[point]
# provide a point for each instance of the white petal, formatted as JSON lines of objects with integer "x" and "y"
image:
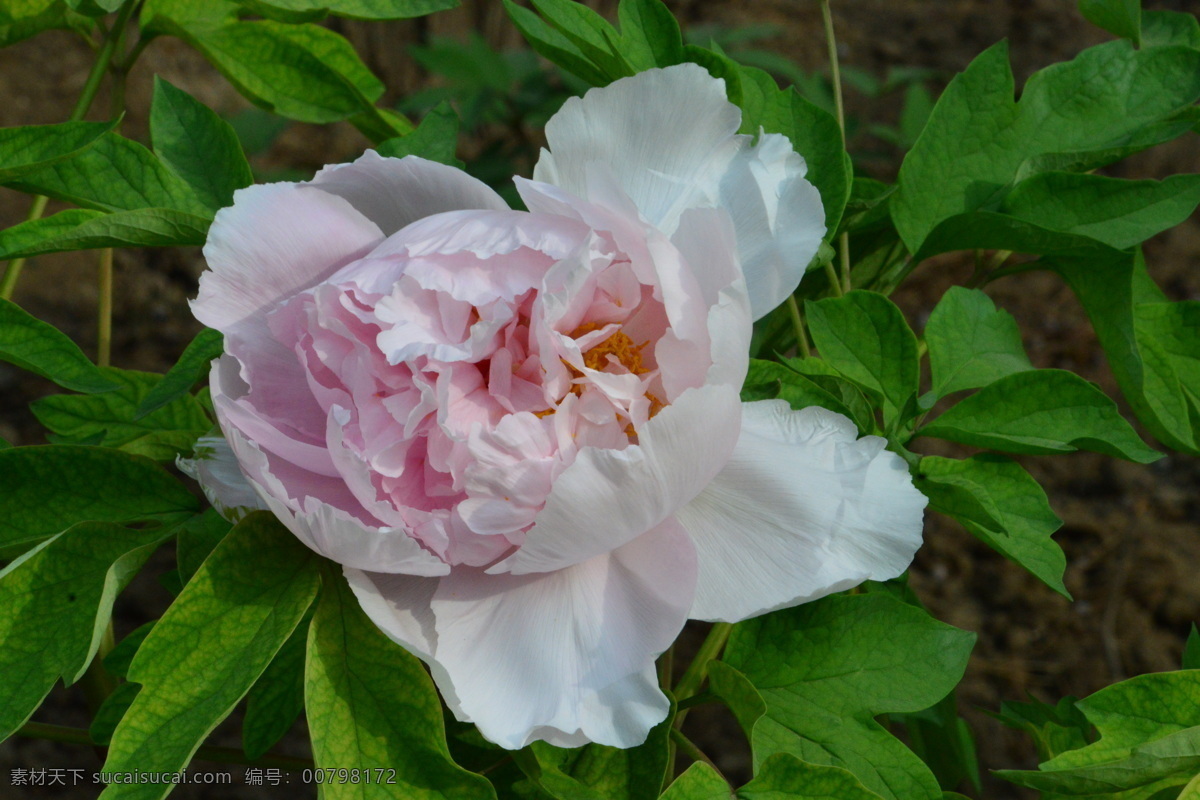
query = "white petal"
{"x": 566, "y": 657}
{"x": 801, "y": 510}
{"x": 667, "y": 133}
{"x": 274, "y": 241}
{"x": 393, "y": 192}
{"x": 778, "y": 217}
{"x": 610, "y": 497}
{"x": 669, "y": 139}
{"x": 216, "y": 469}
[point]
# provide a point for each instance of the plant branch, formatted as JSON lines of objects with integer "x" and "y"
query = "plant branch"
{"x": 798, "y": 326}
{"x": 835, "y": 76}
{"x": 697, "y": 671}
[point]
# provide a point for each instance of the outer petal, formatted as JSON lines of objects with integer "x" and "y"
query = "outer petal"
{"x": 393, "y": 192}
{"x": 329, "y": 530}
{"x": 670, "y": 139}
{"x": 801, "y": 510}
{"x": 610, "y": 497}
{"x": 566, "y": 657}
{"x": 274, "y": 241}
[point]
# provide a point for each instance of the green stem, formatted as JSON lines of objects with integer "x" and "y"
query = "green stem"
{"x": 666, "y": 665}
{"x": 835, "y": 75}
{"x": 9, "y": 282}
{"x": 218, "y": 755}
{"x": 697, "y": 671}
{"x": 689, "y": 749}
{"x": 835, "y": 283}
{"x": 798, "y": 326}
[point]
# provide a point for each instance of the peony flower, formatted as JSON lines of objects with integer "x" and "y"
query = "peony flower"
{"x": 520, "y": 432}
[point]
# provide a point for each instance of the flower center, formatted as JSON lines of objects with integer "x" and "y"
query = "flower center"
{"x": 619, "y": 344}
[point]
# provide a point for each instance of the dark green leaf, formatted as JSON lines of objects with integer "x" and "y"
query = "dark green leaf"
{"x": 944, "y": 742}
{"x": 971, "y": 343}
{"x": 82, "y": 229}
{"x": 114, "y": 174}
{"x": 589, "y": 32}
{"x": 109, "y": 715}
{"x": 1054, "y": 729}
{"x": 1191, "y": 650}
{"x": 785, "y": 777}
{"x": 371, "y": 705}
{"x": 43, "y": 349}
{"x": 826, "y": 669}
{"x": 436, "y": 138}
{"x": 20, "y": 19}
{"x": 553, "y": 45}
{"x": 650, "y": 34}
{"x": 311, "y": 10}
{"x": 48, "y": 489}
{"x": 1001, "y": 504}
{"x": 56, "y": 603}
{"x": 120, "y": 657}
{"x": 1149, "y": 739}
{"x": 304, "y": 72}
{"x": 1168, "y": 28}
{"x": 197, "y": 538}
{"x": 978, "y": 141}
{"x": 1152, "y": 346}
{"x": 277, "y": 697}
{"x": 1041, "y": 413}
{"x": 1119, "y": 17}
{"x": 162, "y": 435}
{"x": 172, "y": 17}
{"x": 768, "y": 379}
{"x": 192, "y": 366}
{"x": 737, "y": 692}
{"x": 209, "y": 648}
{"x": 198, "y": 145}
{"x": 1119, "y": 213}
{"x": 34, "y": 147}
{"x": 698, "y": 782}
{"x": 864, "y": 336}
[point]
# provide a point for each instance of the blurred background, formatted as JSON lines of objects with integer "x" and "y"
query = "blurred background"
{"x": 1131, "y": 533}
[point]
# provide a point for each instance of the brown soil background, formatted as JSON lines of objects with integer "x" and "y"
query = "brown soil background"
{"x": 1130, "y": 531}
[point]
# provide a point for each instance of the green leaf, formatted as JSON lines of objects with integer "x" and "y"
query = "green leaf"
{"x": 944, "y": 741}
{"x": 312, "y": 10}
{"x": 1119, "y": 17}
{"x": 1119, "y": 213}
{"x": 826, "y": 669}
{"x": 109, "y": 715}
{"x": 304, "y": 72}
{"x": 1152, "y": 346}
{"x": 172, "y": 16}
{"x": 120, "y": 657}
{"x": 737, "y": 692}
{"x": 1168, "y": 28}
{"x": 48, "y": 489}
{"x": 1002, "y": 505}
{"x": 198, "y": 145}
{"x": 553, "y": 46}
{"x": 114, "y": 174}
{"x": 1191, "y": 650}
{"x": 650, "y": 34}
{"x": 1041, "y": 412}
{"x": 864, "y": 336}
{"x": 698, "y": 782}
{"x": 20, "y": 19}
{"x": 814, "y": 134}
{"x": 589, "y": 32}
{"x": 192, "y": 366}
{"x": 991, "y": 230}
{"x": 795, "y": 381}
{"x": 971, "y": 343}
{"x": 33, "y": 147}
{"x": 1054, "y": 729}
{"x": 1149, "y": 737}
{"x": 41, "y": 348}
{"x": 436, "y": 138}
{"x": 209, "y": 648}
{"x": 370, "y": 704}
{"x": 161, "y": 435}
{"x": 1107, "y": 102}
{"x": 56, "y": 602}
{"x": 597, "y": 772}
{"x": 785, "y": 777}
{"x": 197, "y": 538}
{"x": 82, "y": 229}
{"x": 277, "y": 697}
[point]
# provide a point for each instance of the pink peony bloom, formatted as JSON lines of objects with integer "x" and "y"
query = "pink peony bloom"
{"x": 520, "y": 432}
